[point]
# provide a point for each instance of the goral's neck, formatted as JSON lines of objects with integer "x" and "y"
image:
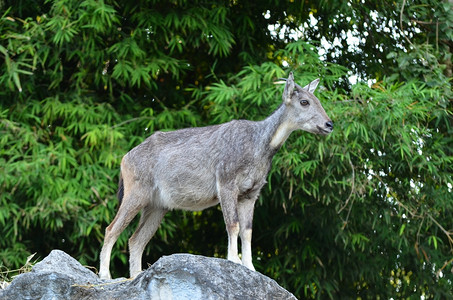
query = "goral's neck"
{"x": 275, "y": 129}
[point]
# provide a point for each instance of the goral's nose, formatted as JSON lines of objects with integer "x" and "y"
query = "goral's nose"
{"x": 329, "y": 125}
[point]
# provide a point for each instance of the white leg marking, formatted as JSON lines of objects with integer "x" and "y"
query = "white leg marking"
{"x": 246, "y": 238}
{"x": 233, "y": 233}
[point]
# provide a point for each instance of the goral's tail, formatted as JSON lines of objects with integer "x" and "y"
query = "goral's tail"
{"x": 120, "y": 193}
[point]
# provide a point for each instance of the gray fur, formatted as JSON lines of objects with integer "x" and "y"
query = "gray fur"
{"x": 196, "y": 168}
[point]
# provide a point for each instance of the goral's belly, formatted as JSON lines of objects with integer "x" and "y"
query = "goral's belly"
{"x": 193, "y": 198}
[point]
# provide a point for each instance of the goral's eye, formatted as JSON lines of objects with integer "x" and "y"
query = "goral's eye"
{"x": 304, "y": 102}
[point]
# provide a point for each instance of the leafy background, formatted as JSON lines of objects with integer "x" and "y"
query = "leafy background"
{"x": 363, "y": 213}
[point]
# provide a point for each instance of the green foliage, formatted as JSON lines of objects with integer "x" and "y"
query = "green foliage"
{"x": 362, "y": 213}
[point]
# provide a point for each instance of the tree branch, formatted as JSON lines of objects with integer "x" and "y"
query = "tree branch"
{"x": 401, "y": 24}
{"x": 129, "y": 121}
{"x": 352, "y": 189}
{"x": 447, "y": 233}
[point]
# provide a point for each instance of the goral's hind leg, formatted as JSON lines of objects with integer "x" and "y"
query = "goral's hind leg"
{"x": 245, "y": 210}
{"x": 228, "y": 202}
{"x": 127, "y": 211}
{"x": 149, "y": 222}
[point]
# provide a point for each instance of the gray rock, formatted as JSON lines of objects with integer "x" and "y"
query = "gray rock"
{"x": 178, "y": 276}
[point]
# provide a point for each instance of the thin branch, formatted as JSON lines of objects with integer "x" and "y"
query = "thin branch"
{"x": 413, "y": 214}
{"x": 418, "y": 231}
{"x": 401, "y": 15}
{"x": 425, "y": 22}
{"x": 129, "y": 121}
{"x": 189, "y": 104}
{"x": 445, "y": 264}
{"x": 352, "y": 189}
{"x": 401, "y": 24}
{"x": 447, "y": 233}
{"x": 437, "y": 36}
{"x": 149, "y": 118}
{"x": 345, "y": 222}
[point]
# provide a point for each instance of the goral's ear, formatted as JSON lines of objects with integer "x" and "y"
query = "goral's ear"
{"x": 311, "y": 87}
{"x": 289, "y": 88}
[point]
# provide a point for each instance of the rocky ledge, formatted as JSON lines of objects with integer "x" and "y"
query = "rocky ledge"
{"x": 178, "y": 276}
